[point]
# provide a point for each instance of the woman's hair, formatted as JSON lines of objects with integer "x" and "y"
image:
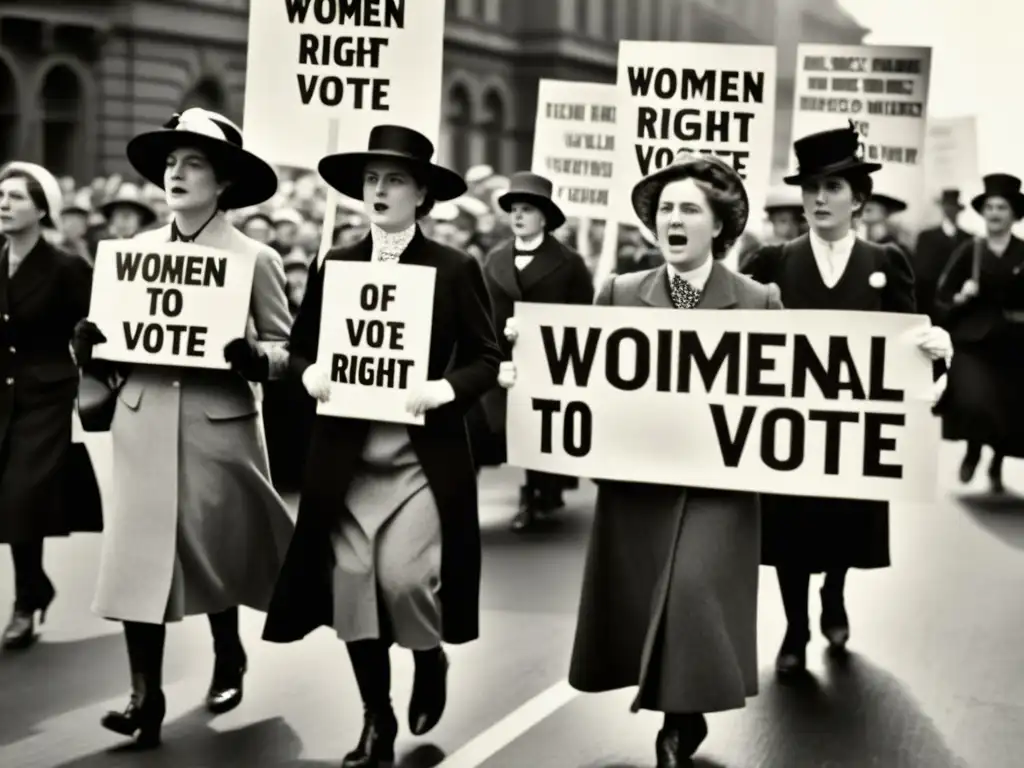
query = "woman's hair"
{"x": 861, "y": 185}
{"x": 35, "y": 193}
{"x": 419, "y": 178}
{"x": 726, "y": 198}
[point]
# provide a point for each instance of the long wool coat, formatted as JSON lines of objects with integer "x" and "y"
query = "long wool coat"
{"x": 819, "y": 534}
{"x": 46, "y": 484}
{"x": 463, "y": 350}
{"x": 931, "y": 255}
{"x": 670, "y": 583}
{"x": 557, "y": 275}
{"x": 196, "y": 526}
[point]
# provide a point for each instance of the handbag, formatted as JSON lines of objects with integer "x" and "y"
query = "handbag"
{"x": 97, "y": 399}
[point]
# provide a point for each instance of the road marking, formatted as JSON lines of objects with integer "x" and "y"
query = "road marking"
{"x": 484, "y": 746}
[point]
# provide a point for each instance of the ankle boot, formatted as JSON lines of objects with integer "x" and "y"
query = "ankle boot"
{"x": 526, "y": 516}
{"x": 429, "y": 690}
{"x": 835, "y": 625}
{"x": 793, "y": 585}
{"x": 34, "y": 592}
{"x": 970, "y": 462}
{"x": 230, "y": 663}
{"x": 371, "y": 664}
{"x": 376, "y": 747}
{"x": 144, "y": 715}
{"x": 995, "y": 474}
{"x": 679, "y": 739}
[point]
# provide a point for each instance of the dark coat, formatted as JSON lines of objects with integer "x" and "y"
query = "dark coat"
{"x": 819, "y": 534}
{"x": 45, "y": 488}
{"x": 669, "y": 599}
{"x": 557, "y": 275}
{"x": 982, "y": 401}
{"x": 463, "y": 350}
{"x": 931, "y": 255}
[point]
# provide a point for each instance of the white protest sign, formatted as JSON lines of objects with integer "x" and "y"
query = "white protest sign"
{"x": 809, "y": 403}
{"x": 173, "y": 304}
{"x": 574, "y": 144}
{"x": 951, "y": 162}
{"x": 375, "y": 329}
{"x": 884, "y": 91}
{"x": 700, "y": 97}
{"x": 359, "y": 62}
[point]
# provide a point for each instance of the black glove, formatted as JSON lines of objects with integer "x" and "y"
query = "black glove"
{"x": 86, "y": 336}
{"x": 247, "y": 360}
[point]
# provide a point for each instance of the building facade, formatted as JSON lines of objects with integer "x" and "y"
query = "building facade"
{"x": 78, "y": 78}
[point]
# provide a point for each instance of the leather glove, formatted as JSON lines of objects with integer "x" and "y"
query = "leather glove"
{"x": 86, "y": 336}
{"x": 247, "y": 360}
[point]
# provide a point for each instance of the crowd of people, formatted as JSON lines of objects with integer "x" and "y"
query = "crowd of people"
{"x": 670, "y": 586}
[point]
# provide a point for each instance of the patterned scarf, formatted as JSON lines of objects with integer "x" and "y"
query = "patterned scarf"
{"x": 389, "y": 246}
{"x": 684, "y": 295}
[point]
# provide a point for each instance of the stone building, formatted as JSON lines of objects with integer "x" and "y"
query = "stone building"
{"x": 78, "y": 78}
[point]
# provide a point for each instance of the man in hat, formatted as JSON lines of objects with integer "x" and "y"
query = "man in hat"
{"x": 934, "y": 248}
{"x": 831, "y": 268}
{"x": 876, "y": 220}
{"x": 532, "y": 266}
{"x": 286, "y": 223}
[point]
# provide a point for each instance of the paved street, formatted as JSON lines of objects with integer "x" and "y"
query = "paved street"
{"x": 936, "y": 680}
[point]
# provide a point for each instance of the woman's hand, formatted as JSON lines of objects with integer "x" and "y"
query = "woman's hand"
{"x": 317, "y": 383}
{"x": 967, "y": 292}
{"x": 935, "y": 343}
{"x": 938, "y": 389}
{"x": 431, "y": 395}
{"x": 247, "y": 360}
{"x": 86, "y": 336}
{"x": 511, "y": 331}
{"x": 507, "y": 375}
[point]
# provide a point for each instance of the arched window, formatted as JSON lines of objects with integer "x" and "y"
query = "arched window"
{"x": 494, "y": 130}
{"x": 9, "y": 114}
{"x": 460, "y": 120}
{"x": 61, "y": 102}
{"x": 207, "y": 93}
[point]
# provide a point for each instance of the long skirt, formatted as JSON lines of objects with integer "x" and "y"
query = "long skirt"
{"x": 983, "y": 400}
{"x": 387, "y": 547}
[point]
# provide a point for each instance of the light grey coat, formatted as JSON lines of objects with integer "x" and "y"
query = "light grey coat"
{"x": 195, "y": 525}
{"x": 669, "y": 598}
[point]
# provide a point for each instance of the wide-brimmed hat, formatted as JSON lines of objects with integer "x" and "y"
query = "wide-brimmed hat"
{"x": 891, "y": 204}
{"x": 950, "y": 197}
{"x": 130, "y": 196}
{"x": 783, "y": 198}
{"x": 48, "y": 183}
{"x": 252, "y": 179}
{"x": 834, "y": 152}
{"x": 688, "y": 165}
{"x": 526, "y": 187}
{"x": 1002, "y": 185}
{"x": 344, "y": 172}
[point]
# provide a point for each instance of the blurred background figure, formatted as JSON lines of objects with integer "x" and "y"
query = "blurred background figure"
{"x": 127, "y": 214}
{"x": 876, "y": 221}
{"x": 259, "y": 226}
{"x": 286, "y": 222}
{"x": 934, "y": 248}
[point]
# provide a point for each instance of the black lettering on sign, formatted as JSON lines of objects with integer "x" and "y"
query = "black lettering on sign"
{"x": 375, "y": 333}
{"x": 330, "y": 91}
{"x": 359, "y": 13}
{"x": 731, "y": 86}
{"x": 613, "y": 363}
{"x": 169, "y": 299}
{"x": 726, "y": 353}
{"x": 834, "y": 421}
{"x": 769, "y": 439}
{"x": 172, "y": 268}
{"x": 560, "y": 359}
{"x": 371, "y": 371}
{"x": 341, "y": 51}
{"x": 695, "y": 125}
{"x": 380, "y": 297}
{"x": 758, "y": 364}
{"x": 875, "y": 444}
{"x": 577, "y": 426}
{"x": 188, "y": 340}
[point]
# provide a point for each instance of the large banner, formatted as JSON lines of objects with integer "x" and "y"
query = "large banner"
{"x": 574, "y": 144}
{"x": 176, "y": 304}
{"x": 701, "y": 97}
{"x": 884, "y": 91}
{"x": 360, "y": 64}
{"x": 750, "y": 400}
{"x": 375, "y": 329}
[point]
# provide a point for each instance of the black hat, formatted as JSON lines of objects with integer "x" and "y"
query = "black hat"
{"x": 829, "y": 153}
{"x": 526, "y": 187}
{"x": 253, "y": 181}
{"x": 891, "y": 204}
{"x": 688, "y": 165}
{"x": 1001, "y": 185}
{"x": 951, "y": 197}
{"x": 344, "y": 172}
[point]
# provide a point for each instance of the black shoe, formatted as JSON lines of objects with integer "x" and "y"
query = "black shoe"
{"x": 20, "y": 632}
{"x": 376, "y": 748}
{"x": 835, "y": 625}
{"x": 226, "y": 687}
{"x": 429, "y": 692}
{"x": 675, "y": 745}
{"x": 142, "y": 718}
{"x": 969, "y": 466}
{"x": 792, "y": 658}
{"x": 995, "y": 480}
{"x": 526, "y": 517}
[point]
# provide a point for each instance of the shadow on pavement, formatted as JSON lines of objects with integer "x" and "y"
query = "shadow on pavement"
{"x": 1000, "y": 515}
{"x": 858, "y": 715}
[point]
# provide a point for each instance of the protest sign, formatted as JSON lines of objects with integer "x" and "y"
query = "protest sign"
{"x": 169, "y": 303}
{"x": 360, "y": 63}
{"x": 574, "y": 144}
{"x": 375, "y": 338}
{"x": 751, "y": 400}
{"x": 884, "y": 91}
{"x": 951, "y": 162}
{"x": 700, "y": 97}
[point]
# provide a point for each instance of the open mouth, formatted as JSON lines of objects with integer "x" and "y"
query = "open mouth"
{"x": 821, "y": 214}
{"x": 178, "y": 191}
{"x": 380, "y": 207}
{"x": 677, "y": 239}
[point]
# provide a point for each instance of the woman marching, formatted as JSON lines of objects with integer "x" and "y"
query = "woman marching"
{"x": 831, "y": 268}
{"x": 981, "y": 294}
{"x": 387, "y": 541}
{"x": 534, "y": 267}
{"x": 44, "y": 292}
{"x": 669, "y": 598}
{"x": 197, "y": 527}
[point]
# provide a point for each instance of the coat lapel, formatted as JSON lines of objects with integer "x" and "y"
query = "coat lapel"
{"x": 32, "y": 275}
{"x": 546, "y": 260}
{"x": 654, "y": 289}
{"x": 720, "y": 291}
{"x": 500, "y": 268}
